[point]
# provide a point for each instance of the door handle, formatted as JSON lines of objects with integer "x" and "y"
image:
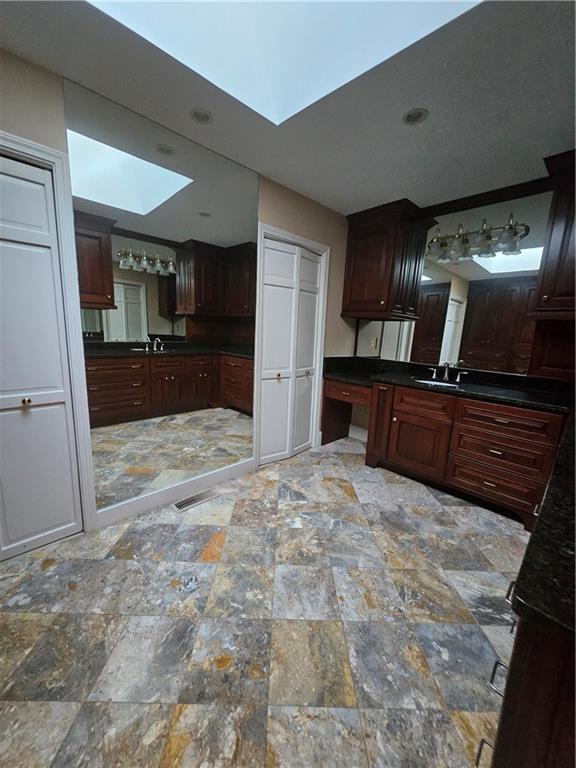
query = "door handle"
{"x": 26, "y": 401}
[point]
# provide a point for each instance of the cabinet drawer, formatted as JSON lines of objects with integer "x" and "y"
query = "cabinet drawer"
{"x": 349, "y": 393}
{"x": 526, "y": 424}
{"x": 110, "y": 391}
{"x": 506, "y": 488}
{"x": 115, "y": 413}
{"x": 432, "y": 405}
{"x": 168, "y": 364}
{"x": 231, "y": 363}
{"x": 115, "y": 369}
{"x": 533, "y": 459}
{"x": 196, "y": 364}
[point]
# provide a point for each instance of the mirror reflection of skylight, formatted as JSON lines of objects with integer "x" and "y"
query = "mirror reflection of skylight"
{"x": 112, "y": 177}
{"x": 280, "y": 57}
{"x": 528, "y": 260}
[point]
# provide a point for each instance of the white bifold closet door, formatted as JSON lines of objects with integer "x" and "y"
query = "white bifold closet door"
{"x": 290, "y": 318}
{"x": 39, "y": 489}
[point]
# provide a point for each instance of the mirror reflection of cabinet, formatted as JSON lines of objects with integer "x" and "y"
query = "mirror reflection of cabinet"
{"x": 429, "y": 329}
{"x": 94, "y": 257}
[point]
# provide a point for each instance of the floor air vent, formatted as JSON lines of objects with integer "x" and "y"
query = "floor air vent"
{"x": 191, "y": 501}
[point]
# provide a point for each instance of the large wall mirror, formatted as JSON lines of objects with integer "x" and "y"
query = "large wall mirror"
{"x": 473, "y": 312}
{"x": 166, "y": 244}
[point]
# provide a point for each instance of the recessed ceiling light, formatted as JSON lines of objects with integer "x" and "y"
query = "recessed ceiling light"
{"x": 202, "y": 116}
{"x": 415, "y": 116}
{"x": 165, "y": 149}
{"x": 204, "y": 214}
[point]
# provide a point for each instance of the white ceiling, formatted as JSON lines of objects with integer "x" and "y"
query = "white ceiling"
{"x": 226, "y": 190}
{"x": 498, "y": 82}
{"x": 235, "y": 45}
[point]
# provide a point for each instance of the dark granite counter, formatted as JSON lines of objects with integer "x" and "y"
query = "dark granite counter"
{"x": 135, "y": 349}
{"x": 544, "y": 590}
{"x": 508, "y": 389}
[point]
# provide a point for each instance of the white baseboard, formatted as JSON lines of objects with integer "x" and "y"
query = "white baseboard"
{"x": 165, "y": 496}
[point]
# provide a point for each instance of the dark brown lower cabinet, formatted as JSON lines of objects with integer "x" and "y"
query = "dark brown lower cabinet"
{"x": 419, "y": 444}
{"x": 378, "y": 433}
{"x": 172, "y": 392}
{"x": 536, "y": 727}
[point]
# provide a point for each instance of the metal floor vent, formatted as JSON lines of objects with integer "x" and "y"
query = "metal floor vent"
{"x": 191, "y": 501}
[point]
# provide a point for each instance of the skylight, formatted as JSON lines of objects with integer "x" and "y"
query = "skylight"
{"x": 526, "y": 261}
{"x": 280, "y": 57}
{"x": 112, "y": 177}
{"x": 424, "y": 278}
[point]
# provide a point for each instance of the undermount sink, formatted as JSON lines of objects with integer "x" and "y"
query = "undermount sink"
{"x": 434, "y": 383}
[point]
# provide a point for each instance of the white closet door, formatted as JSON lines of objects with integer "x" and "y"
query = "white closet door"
{"x": 279, "y": 294}
{"x": 39, "y": 493}
{"x": 306, "y": 340}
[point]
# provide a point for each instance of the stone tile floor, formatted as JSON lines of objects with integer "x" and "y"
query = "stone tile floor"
{"x": 317, "y": 614}
{"x": 141, "y": 456}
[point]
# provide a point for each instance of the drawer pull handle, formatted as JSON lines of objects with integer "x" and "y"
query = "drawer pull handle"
{"x": 346, "y": 394}
{"x": 502, "y": 421}
{"x": 135, "y": 366}
{"x": 483, "y": 743}
{"x": 383, "y": 389}
{"x": 494, "y": 451}
{"x": 137, "y": 402}
{"x": 94, "y": 408}
{"x": 510, "y": 591}
{"x": 91, "y": 368}
{"x": 93, "y": 389}
{"x": 492, "y": 680}
{"x": 139, "y": 384}
{"x": 489, "y": 484}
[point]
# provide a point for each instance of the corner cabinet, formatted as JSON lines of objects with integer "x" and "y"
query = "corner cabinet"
{"x": 384, "y": 262}
{"x": 555, "y": 294}
{"x": 214, "y": 281}
{"x": 94, "y": 257}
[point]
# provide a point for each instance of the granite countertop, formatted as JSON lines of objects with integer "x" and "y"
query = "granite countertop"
{"x": 542, "y": 400}
{"x": 544, "y": 590}
{"x": 189, "y": 349}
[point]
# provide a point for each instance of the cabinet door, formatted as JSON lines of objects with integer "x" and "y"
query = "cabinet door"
{"x": 208, "y": 276}
{"x": 429, "y": 328}
{"x": 556, "y": 289}
{"x": 185, "y": 304}
{"x": 239, "y": 279}
{"x": 205, "y": 389}
{"x": 419, "y": 444}
{"x": 167, "y": 296}
{"x": 380, "y": 412}
{"x": 368, "y": 269}
{"x": 94, "y": 255}
{"x": 171, "y": 393}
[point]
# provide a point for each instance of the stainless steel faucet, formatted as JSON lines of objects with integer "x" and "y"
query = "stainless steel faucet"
{"x": 157, "y": 341}
{"x": 446, "y": 367}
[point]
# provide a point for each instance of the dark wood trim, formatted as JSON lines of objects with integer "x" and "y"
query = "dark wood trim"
{"x": 174, "y": 244}
{"x": 500, "y": 195}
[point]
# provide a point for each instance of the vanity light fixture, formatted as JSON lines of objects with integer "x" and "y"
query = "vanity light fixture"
{"x": 140, "y": 261}
{"x": 482, "y": 243}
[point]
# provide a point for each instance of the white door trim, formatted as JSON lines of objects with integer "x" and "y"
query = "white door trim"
{"x": 274, "y": 233}
{"x": 57, "y": 162}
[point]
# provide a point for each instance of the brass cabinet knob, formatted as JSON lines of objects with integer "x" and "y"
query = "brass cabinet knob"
{"x": 381, "y": 302}
{"x": 26, "y": 401}
{"x": 394, "y": 418}
{"x": 545, "y": 297}
{"x": 278, "y": 376}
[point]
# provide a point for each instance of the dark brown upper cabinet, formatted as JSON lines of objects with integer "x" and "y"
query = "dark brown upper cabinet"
{"x": 429, "y": 329}
{"x": 239, "y": 277}
{"x": 94, "y": 257}
{"x": 167, "y": 296}
{"x": 555, "y": 293}
{"x": 384, "y": 262}
{"x": 214, "y": 281}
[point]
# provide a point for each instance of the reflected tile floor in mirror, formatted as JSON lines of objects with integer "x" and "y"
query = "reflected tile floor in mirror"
{"x": 316, "y": 614}
{"x": 141, "y": 456}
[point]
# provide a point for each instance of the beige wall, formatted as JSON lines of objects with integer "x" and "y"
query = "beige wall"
{"x": 281, "y": 207}
{"x": 31, "y": 102}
